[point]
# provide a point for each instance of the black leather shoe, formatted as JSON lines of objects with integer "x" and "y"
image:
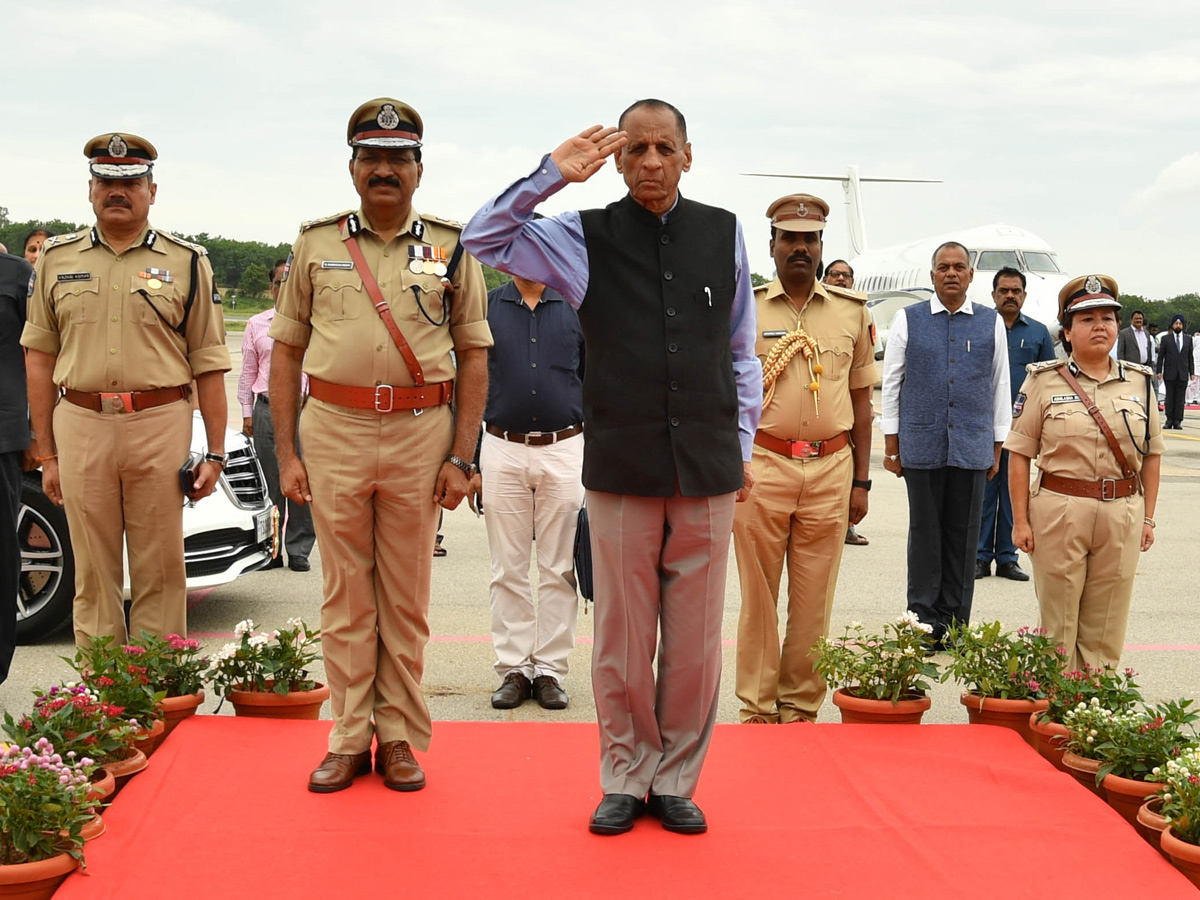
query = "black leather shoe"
{"x": 1011, "y": 571}
{"x": 616, "y": 814}
{"x": 276, "y": 563}
{"x": 299, "y": 564}
{"x": 548, "y": 693}
{"x": 982, "y": 569}
{"x": 678, "y": 814}
{"x": 513, "y": 691}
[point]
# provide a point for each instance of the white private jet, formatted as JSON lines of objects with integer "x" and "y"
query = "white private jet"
{"x": 892, "y": 271}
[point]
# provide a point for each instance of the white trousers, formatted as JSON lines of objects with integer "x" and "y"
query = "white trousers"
{"x": 531, "y": 498}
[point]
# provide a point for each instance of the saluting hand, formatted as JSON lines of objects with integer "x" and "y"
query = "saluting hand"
{"x": 581, "y": 157}
{"x": 293, "y": 480}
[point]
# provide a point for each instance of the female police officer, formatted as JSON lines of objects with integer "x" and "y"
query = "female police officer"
{"x": 1092, "y": 425}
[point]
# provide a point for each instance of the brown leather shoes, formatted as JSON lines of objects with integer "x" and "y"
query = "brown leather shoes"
{"x": 399, "y": 768}
{"x": 337, "y": 771}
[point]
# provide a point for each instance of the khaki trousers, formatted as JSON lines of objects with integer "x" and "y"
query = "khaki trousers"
{"x": 659, "y": 563}
{"x": 120, "y": 479}
{"x": 372, "y": 477}
{"x": 1085, "y": 554}
{"x": 532, "y": 493}
{"x": 797, "y": 512}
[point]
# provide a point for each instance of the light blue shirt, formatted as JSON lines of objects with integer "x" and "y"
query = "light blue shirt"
{"x": 552, "y": 251}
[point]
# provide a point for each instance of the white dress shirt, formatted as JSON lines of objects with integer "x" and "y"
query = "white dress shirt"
{"x": 894, "y": 363}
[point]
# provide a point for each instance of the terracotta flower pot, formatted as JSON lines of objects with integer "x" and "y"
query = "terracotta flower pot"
{"x": 1051, "y": 740}
{"x": 269, "y": 705}
{"x": 93, "y": 828}
{"x": 148, "y": 739}
{"x": 869, "y": 711}
{"x": 1126, "y": 795}
{"x": 176, "y": 709}
{"x": 1151, "y": 824}
{"x": 103, "y": 785}
{"x": 36, "y": 880}
{"x": 1184, "y": 856}
{"x": 124, "y": 769}
{"x": 1085, "y": 770}
{"x": 1011, "y": 714}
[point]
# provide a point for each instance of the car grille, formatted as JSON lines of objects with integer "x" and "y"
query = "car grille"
{"x": 212, "y": 552}
{"x": 244, "y": 476}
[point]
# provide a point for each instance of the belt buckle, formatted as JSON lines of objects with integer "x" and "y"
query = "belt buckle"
{"x": 120, "y": 402}
{"x": 532, "y": 434}
{"x": 1105, "y": 493}
{"x": 391, "y": 398}
{"x": 805, "y": 449}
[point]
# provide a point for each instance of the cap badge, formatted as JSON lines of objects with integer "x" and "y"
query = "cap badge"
{"x": 802, "y": 210}
{"x": 1092, "y": 285}
{"x": 388, "y": 118}
{"x": 117, "y": 146}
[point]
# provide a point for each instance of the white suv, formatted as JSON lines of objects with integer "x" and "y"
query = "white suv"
{"x": 232, "y": 531}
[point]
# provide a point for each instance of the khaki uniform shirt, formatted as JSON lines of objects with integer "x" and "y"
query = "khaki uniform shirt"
{"x": 324, "y": 307}
{"x": 841, "y": 324}
{"x": 1051, "y": 425}
{"x": 102, "y": 313}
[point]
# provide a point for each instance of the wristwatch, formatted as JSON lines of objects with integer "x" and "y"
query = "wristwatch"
{"x": 458, "y": 462}
{"x": 865, "y": 485}
{"x": 221, "y": 459}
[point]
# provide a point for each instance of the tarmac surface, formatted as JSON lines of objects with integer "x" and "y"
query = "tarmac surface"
{"x": 1162, "y": 643}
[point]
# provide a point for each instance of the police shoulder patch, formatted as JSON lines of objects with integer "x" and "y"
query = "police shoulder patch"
{"x": 835, "y": 291}
{"x": 447, "y": 223}
{"x": 61, "y": 240}
{"x": 1038, "y": 367}
{"x": 1018, "y": 405}
{"x": 325, "y": 220}
{"x": 216, "y": 296}
{"x": 182, "y": 243}
{"x": 32, "y": 279}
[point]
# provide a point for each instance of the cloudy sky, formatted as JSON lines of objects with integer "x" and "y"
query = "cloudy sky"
{"x": 1077, "y": 121}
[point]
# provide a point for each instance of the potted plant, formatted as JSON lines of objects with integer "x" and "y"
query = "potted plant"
{"x": 43, "y": 808}
{"x": 1122, "y": 749}
{"x": 879, "y": 678}
{"x": 1007, "y": 674}
{"x": 175, "y": 668}
{"x": 1180, "y": 796}
{"x": 1115, "y": 689}
{"x": 117, "y": 673}
{"x": 265, "y": 675}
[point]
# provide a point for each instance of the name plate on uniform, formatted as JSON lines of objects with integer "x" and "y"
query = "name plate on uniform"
{"x": 1064, "y": 398}
{"x": 774, "y": 334}
{"x": 336, "y": 264}
{"x": 74, "y": 276}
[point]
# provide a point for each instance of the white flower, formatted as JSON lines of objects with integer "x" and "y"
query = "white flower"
{"x": 243, "y": 627}
{"x": 259, "y": 640}
{"x": 856, "y": 624}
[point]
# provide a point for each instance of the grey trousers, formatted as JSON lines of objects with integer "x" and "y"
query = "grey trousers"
{"x": 298, "y": 533}
{"x": 659, "y": 566}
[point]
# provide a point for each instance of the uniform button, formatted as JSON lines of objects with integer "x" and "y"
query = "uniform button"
{"x": 533, "y": 340}
{"x": 114, "y": 384}
{"x": 119, "y": 258}
{"x": 386, "y": 254}
{"x": 951, "y": 402}
{"x": 674, "y": 385}
{"x": 379, "y": 346}
{"x": 115, "y": 288}
{"x": 535, "y": 418}
{"x": 668, "y": 275}
{"x": 674, "y": 420}
{"x": 952, "y": 340}
{"x": 544, "y": 172}
{"x": 112, "y": 351}
{"x": 533, "y": 365}
{"x": 534, "y": 393}
{"x": 114, "y": 318}
{"x": 672, "y": 347}
{"x": 665, "y": 239}
{"x": 670, "y": 311}
{"x": 383, "y": 284}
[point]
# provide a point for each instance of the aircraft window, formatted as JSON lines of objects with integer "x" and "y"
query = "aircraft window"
{"x": 997, "y": 259}
{"x": 974, "y": 254}
{"x": 1039, "y": 262}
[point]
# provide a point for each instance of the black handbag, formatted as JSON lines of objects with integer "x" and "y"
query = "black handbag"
{"x": 583, "y": 555}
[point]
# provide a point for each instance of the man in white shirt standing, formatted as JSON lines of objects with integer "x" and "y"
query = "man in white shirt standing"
{"x": 944, "y": 420}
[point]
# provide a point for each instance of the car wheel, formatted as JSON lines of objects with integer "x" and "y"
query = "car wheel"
{"x": 47, "y": 588}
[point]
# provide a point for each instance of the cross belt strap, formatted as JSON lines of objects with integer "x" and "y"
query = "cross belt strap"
{"x": 383, "y": 397}
{"x": 1094, "y": 410}
{"x": 381, "y": 307}
{"x": 801, "y": 449}
{"x": 127, "y": 401}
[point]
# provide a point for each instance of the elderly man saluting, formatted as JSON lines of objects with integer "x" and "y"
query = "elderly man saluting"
{"x": 671, "y": 398}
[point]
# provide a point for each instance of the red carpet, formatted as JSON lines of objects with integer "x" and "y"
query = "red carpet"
{"x": 804, "y": 811}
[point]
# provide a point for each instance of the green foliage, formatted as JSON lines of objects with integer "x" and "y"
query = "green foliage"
{"x": 77, "y": 722}
{"x": 43, "y": 804}
{"x": 230, "y": 258}
{"x": 992, "y": 662}
{"x": 888, "y": 666}
{"x": 117, "y": 674}
{"x": 757, "y": 280}
{"x": 1115, "y": 690}
{"x": 277, "y": 661}
{"x": 1180, "y": 793}
{"x": 1130, "y": 743}
{"x": 12, "y": 234}
{"x": 255, "y": 281}
{"x": 493, "y": 278}
{"x": 173, "y": 664}
{"x": 1159, "y": 312}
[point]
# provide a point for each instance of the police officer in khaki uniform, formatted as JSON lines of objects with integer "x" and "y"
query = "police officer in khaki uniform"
{"x": 1091, "y": 508}
{"x": 122, "y": 318}
{"x": 811, "y": 462}
{"x": 373, "y": 301}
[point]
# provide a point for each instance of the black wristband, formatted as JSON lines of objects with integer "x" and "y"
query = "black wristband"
{"x": 865, "y": 485}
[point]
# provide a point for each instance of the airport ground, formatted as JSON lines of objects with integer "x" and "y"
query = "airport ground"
{"x": 1162, "y": 643}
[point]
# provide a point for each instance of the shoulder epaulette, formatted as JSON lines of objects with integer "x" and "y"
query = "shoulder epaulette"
{"x": 325, "y": 220}
{"x": 175, "y": 239}
{"x": 1036, "y": 367}
{"x": 761, "y": 289}
{"x": 438, "y": 220}
{"x": 1138, "y": 367}
{"x": 60, "y": 240}
{"x": 845, "y": 292}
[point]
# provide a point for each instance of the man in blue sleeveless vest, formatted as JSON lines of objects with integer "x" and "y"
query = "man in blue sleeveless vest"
{"x": 671, "y": 399}
{"x": 946, "y": 412}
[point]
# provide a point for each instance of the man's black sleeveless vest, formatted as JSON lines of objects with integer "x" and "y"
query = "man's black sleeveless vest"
{"x": 659, "y": 398}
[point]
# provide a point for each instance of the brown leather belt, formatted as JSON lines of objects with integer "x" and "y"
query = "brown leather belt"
{"x": 1104, "y": 489}
{"x": 127, "y": 401}
{"x": 802, "y": 449}
{"x": 535, "y": 438}
{"x": 383, "y": 397}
